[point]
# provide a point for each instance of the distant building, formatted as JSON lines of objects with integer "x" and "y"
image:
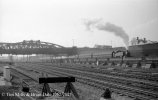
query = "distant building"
{"x": 102, "y": 46}
{"x": 139, "y": 41}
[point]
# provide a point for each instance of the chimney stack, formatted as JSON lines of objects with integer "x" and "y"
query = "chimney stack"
{"x": 145, "y": 40}
{"x": 137, "y": 38}
{"x": 138, "y": 41}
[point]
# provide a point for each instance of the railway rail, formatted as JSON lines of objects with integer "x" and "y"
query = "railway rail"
{"x": 34, "y": 76}
{"x": 103, "y": 79}
{"x": 95, "y": 81}
{"x": 31, "y": 81}
{"x": 147, "y": 78}
{"x": 18, "y": 92}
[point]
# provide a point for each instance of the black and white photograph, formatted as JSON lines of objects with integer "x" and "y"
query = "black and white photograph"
{"x": 78, "y": 49}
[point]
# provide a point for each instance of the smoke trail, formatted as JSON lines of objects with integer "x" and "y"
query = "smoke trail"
{"x": 90, "y": 23}
{"x": 100, "y": 25}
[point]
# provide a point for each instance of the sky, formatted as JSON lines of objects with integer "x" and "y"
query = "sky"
{"x": 62, "y": 21}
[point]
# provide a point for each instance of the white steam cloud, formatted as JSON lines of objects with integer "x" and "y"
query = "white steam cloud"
{"x": 100, "y": 25}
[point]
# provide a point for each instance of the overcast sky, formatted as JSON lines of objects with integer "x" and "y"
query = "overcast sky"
{"x": 62, "y": 21}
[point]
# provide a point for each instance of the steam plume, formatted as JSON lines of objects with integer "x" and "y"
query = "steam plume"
{"x": 100, "y": 25}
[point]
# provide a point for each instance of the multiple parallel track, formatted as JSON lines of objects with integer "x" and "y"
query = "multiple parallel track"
{"x": 136, "y": 74}
{"x": 31, "y": 81}
{"x": 136, "y": 86}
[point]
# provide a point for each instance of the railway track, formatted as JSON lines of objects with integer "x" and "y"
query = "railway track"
{"x": 139, "y": 93}
{"x": 32, "y": 81}
{"x": 103, "y": 79}
{"x": 27, "y": 79}
{"x": 114, "y": 79}
{"x": 114, "y": 74}
{"x": 118, "y": 72}
{"x": 140, "y": 74}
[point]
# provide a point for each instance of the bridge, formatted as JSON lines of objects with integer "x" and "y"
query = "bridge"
{"x": 36, "y": 47}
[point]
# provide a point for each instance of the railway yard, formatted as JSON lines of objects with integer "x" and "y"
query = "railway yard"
{"x": 78, "y": 50}
{"x": 125, "y": 83}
